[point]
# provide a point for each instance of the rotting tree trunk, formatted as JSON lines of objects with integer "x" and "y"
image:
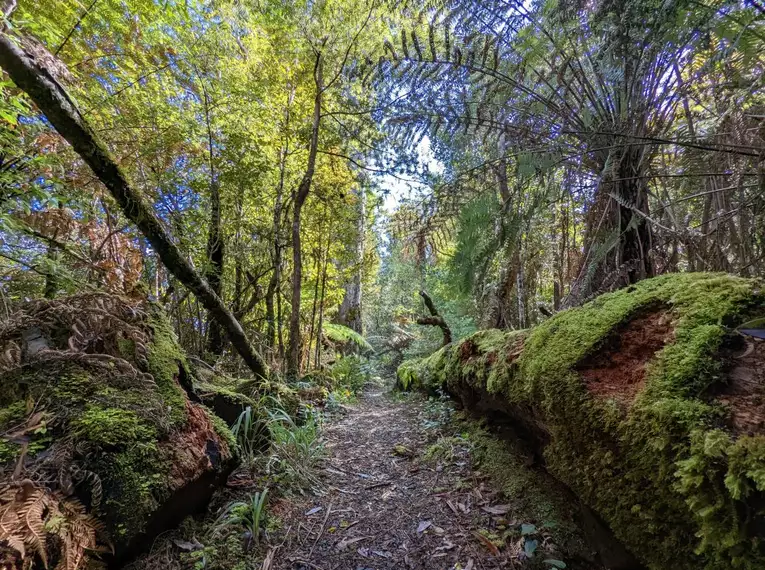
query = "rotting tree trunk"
{"x": 643, "y": 403}
{"x": 63, "y": 114}
{"x": 435, "y": 319}
{"x": 300, "y": 195}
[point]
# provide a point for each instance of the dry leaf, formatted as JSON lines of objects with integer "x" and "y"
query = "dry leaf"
{"x": 188, "y": 546}
{"x": 497, "y": 509}
{"x": 346, "y": 542}
{"x": 487, "y": 543}
{"x": 451, "y": 506}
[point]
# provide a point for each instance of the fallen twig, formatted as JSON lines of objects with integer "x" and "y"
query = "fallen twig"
{"x": 321, "y": 530}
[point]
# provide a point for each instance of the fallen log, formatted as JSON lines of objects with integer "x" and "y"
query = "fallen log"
{"x": 647, "y": 403}
{"x": 103, "y": 445}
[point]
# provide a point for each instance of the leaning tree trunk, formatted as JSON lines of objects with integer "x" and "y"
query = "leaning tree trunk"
{"x": 293, "y": 357}
{"x": 63, "y": 114}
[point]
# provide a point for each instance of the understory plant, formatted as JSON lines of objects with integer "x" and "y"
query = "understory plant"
{"x": 251, "y": 428}
{"x": 350, "y": 374}
{"x": 251, "y": 515}
{"x": 295, "y": 453}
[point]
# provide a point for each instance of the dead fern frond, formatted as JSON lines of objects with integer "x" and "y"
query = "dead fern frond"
{"x": 35, "y": 521}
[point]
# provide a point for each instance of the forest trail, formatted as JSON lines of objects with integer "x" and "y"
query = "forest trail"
{"x": 385, "y": 506}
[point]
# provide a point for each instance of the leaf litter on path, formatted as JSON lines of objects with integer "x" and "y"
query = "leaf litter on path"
{"x": 406, "y": 513}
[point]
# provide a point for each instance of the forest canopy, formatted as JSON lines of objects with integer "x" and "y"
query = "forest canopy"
{"x": 569, "y": 149}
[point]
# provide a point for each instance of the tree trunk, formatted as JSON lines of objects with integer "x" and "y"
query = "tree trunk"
{"x": 635, "y": 242}
{"x": 621, "y": 206}
{"x": 51, "y": 279}
{"x": 321, "y": 304}
{"x": 349, "y": 314}
{"x": 61, "y": 111}
{"x": 293, "y": 357}
{"x": 317, "y": 271}
{"x": 272, "y": 293}
{"x": 434, "y": 319}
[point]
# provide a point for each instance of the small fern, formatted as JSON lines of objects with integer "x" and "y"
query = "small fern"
{"x": 345, "y": 335}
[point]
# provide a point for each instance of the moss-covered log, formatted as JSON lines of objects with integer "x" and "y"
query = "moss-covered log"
{"x": 647, "y": 403}
{"x": 101, "y": 445}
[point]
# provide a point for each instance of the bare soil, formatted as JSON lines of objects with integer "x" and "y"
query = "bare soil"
{"x": 618, "y": 369}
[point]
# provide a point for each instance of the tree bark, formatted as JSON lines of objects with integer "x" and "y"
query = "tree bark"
{"x": 321, "y": 303}
{"x": 435, "y": 319}
{"x": 349, "y": 314}
{"x": 300, "y": 195}
{"x": 62, "y": 112}
{"x": 273, "y": 291}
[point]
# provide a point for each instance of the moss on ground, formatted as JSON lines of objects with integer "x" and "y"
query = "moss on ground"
{"x": 673, "y": 482}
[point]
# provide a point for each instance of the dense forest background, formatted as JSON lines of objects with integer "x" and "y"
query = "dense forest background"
{"x": 320, "y": 163}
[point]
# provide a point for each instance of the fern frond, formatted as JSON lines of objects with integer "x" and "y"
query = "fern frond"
{"x": 33, "y": 513}
{"x": 345, "y": 335}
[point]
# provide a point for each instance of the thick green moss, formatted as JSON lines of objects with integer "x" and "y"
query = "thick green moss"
{"x": 111, "y": 427}
{"x": 673, "y": 489}
{"x": 136, "y": 484}
{"x": 166, "y": 362}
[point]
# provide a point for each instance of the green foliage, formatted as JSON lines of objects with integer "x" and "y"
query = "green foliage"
{"x": 664, "y": 466}
{"x": 250, "y": 515}
{"x": 344, "y": 335}
{"x": 294, "y": 456}
{"x": 252, "y": 428}
{"x": 350, "y": 374}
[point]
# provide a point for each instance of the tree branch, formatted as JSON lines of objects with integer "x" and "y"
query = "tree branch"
{"x": 435, "y": 319}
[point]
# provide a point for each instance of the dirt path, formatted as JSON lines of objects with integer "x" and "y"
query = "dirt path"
{"x": 388, "y": 508}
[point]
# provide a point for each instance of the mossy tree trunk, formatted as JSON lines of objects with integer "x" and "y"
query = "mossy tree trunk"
{"x": 646, "y": 402}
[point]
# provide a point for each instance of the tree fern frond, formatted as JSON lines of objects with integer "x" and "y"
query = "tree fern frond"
{"x": 345, "y": 335}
